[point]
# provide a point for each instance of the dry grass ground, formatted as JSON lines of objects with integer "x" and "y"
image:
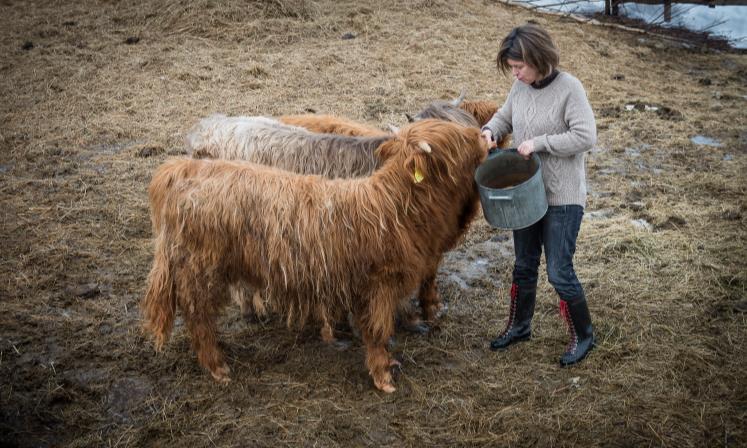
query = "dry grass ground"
{"x": 96, "y": 94}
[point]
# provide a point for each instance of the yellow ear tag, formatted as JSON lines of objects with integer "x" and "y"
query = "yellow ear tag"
{"x": 418, "y": 175}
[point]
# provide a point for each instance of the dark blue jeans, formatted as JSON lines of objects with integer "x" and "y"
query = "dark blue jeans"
{"x": 557, "y": 232}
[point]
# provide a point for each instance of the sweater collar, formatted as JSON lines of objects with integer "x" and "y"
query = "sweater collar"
{"x": 544, "y": 82}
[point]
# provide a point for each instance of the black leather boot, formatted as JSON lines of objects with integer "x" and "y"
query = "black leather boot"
{"x": 575, "y": 313}
{"x": 518, "y": 328}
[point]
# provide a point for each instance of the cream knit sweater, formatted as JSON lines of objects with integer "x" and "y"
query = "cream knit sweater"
{"x": 559, "y": 119}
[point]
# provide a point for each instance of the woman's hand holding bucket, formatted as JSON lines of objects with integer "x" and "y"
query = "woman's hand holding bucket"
{"x": 526, "y": 149}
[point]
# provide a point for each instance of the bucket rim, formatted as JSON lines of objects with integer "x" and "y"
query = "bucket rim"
{"x": 497, "y": 153}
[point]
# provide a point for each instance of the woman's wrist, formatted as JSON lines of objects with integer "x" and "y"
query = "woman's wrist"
{"x": 485, "y": 130}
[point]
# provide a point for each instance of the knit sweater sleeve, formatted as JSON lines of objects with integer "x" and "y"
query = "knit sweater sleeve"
{"x": 579, "y": 118}
{"x": 500, "y": 124}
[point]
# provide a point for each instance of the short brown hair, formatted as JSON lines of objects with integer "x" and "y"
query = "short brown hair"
{"x": 532, "y": 45}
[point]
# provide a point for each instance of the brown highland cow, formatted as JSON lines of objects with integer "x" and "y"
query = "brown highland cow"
{"x": 315, "y": 247}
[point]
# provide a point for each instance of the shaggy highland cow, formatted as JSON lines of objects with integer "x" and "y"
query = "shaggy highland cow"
{"x": 467, "y": 113}
{"x": 315, "y": 247}
{"x": 447, "y": 111}
{"x": 483, "y": 111}
{"x": 269, "y": 142}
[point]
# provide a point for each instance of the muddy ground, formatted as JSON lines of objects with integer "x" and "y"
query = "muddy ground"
{"x": 96, "y": 94}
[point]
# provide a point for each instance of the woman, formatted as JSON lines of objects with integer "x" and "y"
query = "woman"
{"x": 548, "y": 113}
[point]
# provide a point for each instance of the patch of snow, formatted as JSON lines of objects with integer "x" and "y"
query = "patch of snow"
{"x": 707, "y": 141}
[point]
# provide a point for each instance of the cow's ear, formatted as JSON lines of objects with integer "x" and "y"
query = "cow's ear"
{"x": 416, "y": 166}
{"x": 417, "y": 163}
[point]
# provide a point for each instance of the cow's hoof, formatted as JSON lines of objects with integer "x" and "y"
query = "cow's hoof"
{"x": 222, "y": 374}
{"x": 385, "y": 386}
{"x": 395, "y": 368}
{"x": 417, "y": 327}
{"x": 341, "y": 344}
{"x": 435, "y": 312}
{"x": 442, "y": 311}
{"x": 391, "y": 343}
{"x": 383, "y": 379}
{"x": 256, "y": 319}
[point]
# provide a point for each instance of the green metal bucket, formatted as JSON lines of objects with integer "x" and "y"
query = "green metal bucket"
{"x": 512, "y": 193}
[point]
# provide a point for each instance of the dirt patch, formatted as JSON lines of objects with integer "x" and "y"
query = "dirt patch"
{"x": 98, "y": 94}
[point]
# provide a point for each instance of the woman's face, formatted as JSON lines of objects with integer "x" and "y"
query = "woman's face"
{"x": 523, "y": 71}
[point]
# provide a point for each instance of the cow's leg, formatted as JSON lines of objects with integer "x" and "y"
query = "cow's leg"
{"x": 201, "y": 305}
{"x": 380, "y": 364}
{"x": 353, "y": 326}
{"x": 376, "y": 323}
{"x": 259, "y": 305}
{"x": 430, "y": 302}
{"x": 205, "y": 343}
{"x": 328, "y": 334}
{"x": 239, "y": 296}
{"x": 410, "y": 318}
{"x": 240, "y": 292}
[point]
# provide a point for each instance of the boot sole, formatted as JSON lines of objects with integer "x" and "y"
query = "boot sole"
{"x": 593, "y": 344}
{"x": 513, "y": 341}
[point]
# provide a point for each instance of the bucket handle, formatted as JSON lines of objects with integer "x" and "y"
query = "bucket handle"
{"x": 499, "y": 198}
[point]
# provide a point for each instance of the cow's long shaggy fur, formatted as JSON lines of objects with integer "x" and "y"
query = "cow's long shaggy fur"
{"x": 272, "y": 143}
{"x": 483, "y": 111}
{"x": 316, "y": 247}
{"x": 446, "y": 110}
{"x": 329, "y": 124}
{"x": 468, "y": 113}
